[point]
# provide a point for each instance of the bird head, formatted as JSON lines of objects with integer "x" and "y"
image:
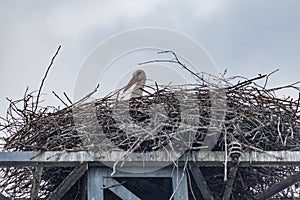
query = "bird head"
{"x": 138, "y": 77}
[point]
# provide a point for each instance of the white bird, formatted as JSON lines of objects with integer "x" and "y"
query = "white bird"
{"x": 139, "y": 106}
{"x": 139, "y": 79}
{"x": 136, "y": 102}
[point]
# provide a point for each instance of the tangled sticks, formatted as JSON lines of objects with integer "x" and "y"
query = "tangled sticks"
{"x": 255, "y": 118}
{"x": 139, "y": 113}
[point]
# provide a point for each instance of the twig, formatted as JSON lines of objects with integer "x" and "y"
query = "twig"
{"x": 59, "y": 98}
{"x": 267, "y": 77}
{"x": 68, "y": 98}
{"x": 43, "y": 80}
{"x": 176, "y": 61}
{"x": 114, "y": 185}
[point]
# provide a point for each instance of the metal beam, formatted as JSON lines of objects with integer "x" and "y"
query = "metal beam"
{"x": 97, "y": 176}
{"x": 95, "y": 183}
{"x": 279, "y": 187}
{"x": 119, "y": 189}
{"x": 200, "y": 181}
{"x": 230, "y": 181}
{"x": 36, "y": 182}
{"x": 68, "y": 182}
{"x": 179, "y": 182}
{"x": 158, "y": 159}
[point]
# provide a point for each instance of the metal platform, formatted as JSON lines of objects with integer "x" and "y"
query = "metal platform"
{"x": 100, "y": 177}
{"x": 213, "y": 158}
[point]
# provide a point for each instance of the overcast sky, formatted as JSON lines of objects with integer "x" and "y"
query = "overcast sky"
{"x": 246, "y": 37}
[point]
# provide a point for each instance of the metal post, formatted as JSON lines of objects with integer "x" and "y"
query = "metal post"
{"x": 179, "y": 181}
{"x": 95, "y": 184}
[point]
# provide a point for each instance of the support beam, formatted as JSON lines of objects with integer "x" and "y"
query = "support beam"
{"x": 200, "y": 181}
{"x": 279, "y": 187}
{"x": 97, "y": 177}
{"x": 230, "y": 181}
{"x": 119, "y": 189}
{"x": 36, "y": 182}
{"x": 157, "y": 159}
{"x": 179, "y": 182}
{"x": 68, "y": 182}
{"x": 95, "y": 183}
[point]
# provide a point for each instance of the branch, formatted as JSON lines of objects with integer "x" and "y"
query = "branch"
{"x": 176, "y": 61}
{"x": 43, "y": 80}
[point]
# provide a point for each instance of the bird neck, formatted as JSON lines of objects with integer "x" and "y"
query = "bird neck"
{"x": 138, "y": 89}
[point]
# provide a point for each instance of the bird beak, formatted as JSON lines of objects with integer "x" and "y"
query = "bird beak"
{"x": 131, "y": 82}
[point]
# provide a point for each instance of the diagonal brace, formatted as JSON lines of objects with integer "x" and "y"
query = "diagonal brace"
{"x": 71, "y": 179}
{"x": 279, "y": 187}
{"x": 200, "y": 181}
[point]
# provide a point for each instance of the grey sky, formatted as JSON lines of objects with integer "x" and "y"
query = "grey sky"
{"x": 246, "y": 37}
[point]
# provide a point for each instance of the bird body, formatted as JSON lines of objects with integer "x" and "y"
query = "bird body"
{"x": 136, "y": 102}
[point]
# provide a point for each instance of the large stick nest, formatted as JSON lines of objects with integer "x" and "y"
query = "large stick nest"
{"x": 250, "y": 115}
{"x": 254, "y": 117}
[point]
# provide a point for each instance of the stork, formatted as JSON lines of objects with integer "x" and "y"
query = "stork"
{"x": 136, "y": 102}
{"x": 139, "y": 79}
{"x": 138, "y": 106}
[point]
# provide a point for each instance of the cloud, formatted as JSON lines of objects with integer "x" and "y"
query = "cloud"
{"x": 67, "y": 21}
{"x": 32, "y": 30}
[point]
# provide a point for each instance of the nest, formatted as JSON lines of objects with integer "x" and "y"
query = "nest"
{"x": 166, "y": 118}
{"x": 252, "y": 116}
